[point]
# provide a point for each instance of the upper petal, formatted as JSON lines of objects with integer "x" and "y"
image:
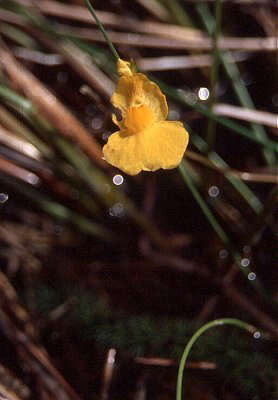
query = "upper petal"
{"x": 164, "y": 145}
{"x": 136, "y": 90}
{"x": 127, "y": 68}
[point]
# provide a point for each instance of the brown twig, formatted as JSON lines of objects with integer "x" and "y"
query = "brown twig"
{"x": 244, "y": 175}
{"x": 18, "y": 144}
{"x": 34, "y": 355}
{"x": 181, "y": 62}
{"x": 82, "y": 64}
{"x": 108, "y": 373}
{"x": 176, "y": 37}
{"x": 227, "y": 288}
{"x": 18, "y": 172}
{"x": 11, "y": 386}
{"x": 81, "y": 14}
{"x": 151, "y": 41}
{"x": 167, "y": 362}
{"x": 246, "y": 114}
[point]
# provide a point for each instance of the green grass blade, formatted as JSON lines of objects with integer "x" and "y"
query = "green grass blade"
{"x": 233, "y": 73}
{"x": 218, "y": 322}
{"x": 237, "y": 183}
{"x": 57, "y": 210}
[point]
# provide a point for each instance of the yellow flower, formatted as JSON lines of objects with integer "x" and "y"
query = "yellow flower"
{"x": 145, "y": 141}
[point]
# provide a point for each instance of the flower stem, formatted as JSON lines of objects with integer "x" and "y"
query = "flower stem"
{"x": 211, "y": 324}
{"x": 209, "y": 215}
{"x": 99, "y": 24}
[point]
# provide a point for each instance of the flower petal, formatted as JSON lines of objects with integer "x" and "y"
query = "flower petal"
{"x": 137, "y": 90}
{"x": 160, "y": 146}
{"x": 124, "y": 152}
{"x": 164, "y": 145}
{"x": 127, "y": 68}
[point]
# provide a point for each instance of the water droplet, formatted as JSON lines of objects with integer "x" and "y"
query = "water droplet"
{"x": 3, "y": 197}
{"x": 252, "y": 276}
{"x": 257, "y": 335}
{"x": 275, "y": 99}
{"x": 203, "y": 93}
{"x": 91, "y": 110}
{"x": 105, "y": 136}
{"x": 191, "y": 97}
{"x": 62, "y": 77}
{"x": 182, "y": 93}
{"x": 117, "y": 210}
{"x": 33, "y": 179}
{"x": 223, "y": 253}
{"x": 118, "y": 179}
{"x": 213, "y": 191}
{"x": 96, "y": 123}
{"x": 246, "y": 79}
{"x": 174, "y": 115}
{"x": 245, "y": 262}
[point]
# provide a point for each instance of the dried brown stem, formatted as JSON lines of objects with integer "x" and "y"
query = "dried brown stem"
{"x": 227, "y": 288}
{"x": 244, "y": 175}
{"x": 10, "y": 139}
{"x": 11, "y": 386}
{"x": 246, "y": 114}
{"x": 81, "y": 14}
{"x": 49, "y": 105}
{"x": 108, "y": 373}
{"x": 167, "y": 362}
{"x": 181, "y": 62}
{"x": 34, "y": 355}
{"x": 175, "y": 38}
{"x": 151, "y": 41}
{"x": 18, "y": 172}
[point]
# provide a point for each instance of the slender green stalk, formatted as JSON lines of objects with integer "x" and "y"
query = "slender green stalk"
{"x": 204, "y": 207}
{"x": 270, "y": 205}
{"x": 99, "y": 24}
{"x": 13, "y": 98}
{"x": 178, "y": 12}
{"x": 57, "y": 210}
{"x": 217, "y": 227}
{"x": 204, "y": 328}
{"x": 18, "y": 127}
{"x": 211, "y": 134}
{"x": 248, "y": 195}
{"x": 18, "y": 36}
